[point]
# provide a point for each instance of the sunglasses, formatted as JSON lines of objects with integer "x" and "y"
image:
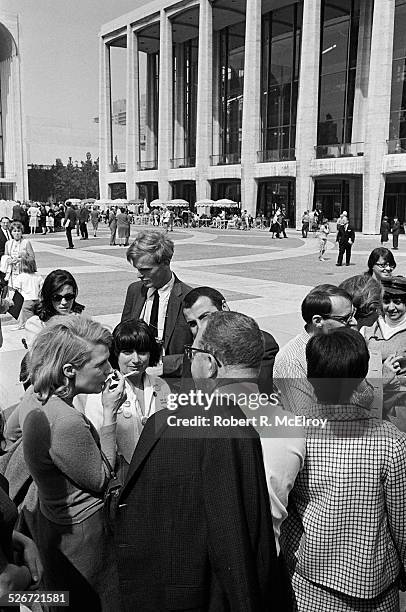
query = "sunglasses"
{"x": 58, "y": 298}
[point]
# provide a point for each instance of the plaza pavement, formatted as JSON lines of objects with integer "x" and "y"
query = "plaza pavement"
{"x": 264, "y": 278}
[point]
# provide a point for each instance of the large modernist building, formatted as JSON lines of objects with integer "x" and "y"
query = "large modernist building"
{"x": 13, "y": 163}
{"x": 265, "y": 102}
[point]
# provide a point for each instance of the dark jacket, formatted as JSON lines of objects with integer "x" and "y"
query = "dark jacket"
{"x": 71, "y": 215}
{"x": 84, "y": 214}
{"x": 3, "y": 240}
{"x": 396, "y": 228}
{"x": 385, "y": 229}
{"x": 17, "y": 209}
{"x": 177, "y": 332}
{"x": 344, "y": 234}
{"x": 194, "y": 528}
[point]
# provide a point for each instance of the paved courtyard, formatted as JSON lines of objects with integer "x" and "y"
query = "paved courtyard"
{"x": 261, "y": 277}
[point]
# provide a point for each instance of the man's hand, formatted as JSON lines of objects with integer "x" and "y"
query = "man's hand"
{"x": 28, "y": 555}
{"x": 390, "y": 368}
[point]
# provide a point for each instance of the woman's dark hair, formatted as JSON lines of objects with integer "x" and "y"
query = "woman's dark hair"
{"x": 336, "y": 364}
{"x": 376, "y": 254}
{"x": 134, "y": 335}
{"x": 52, "y": 284}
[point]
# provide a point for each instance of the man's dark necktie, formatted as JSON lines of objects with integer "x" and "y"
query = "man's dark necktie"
{"x": 153, "y": 320}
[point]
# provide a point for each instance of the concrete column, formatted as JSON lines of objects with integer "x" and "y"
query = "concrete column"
{"x": 151, "y": 110}
{"x": 179, "y": 99}
{"x": 204, "y": 99}
{"x": 307, "y": 108}
{"x": 165, "y": 117}
{"x": 104, "y": 118}
{"x": 362, "y": 73}
{"x": 251, "y": 113}
{"x": 216, "y": 94}
{"x": 378, "y": 112}
{"x": 132, "y": 113}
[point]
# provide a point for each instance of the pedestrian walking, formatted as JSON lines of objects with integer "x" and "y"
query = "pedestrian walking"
{"x": 283, "y": 222}
{"x": 305, "y": 224}
{"x": 112, "y": 226}
{"x": 83, "y": 219}
{"x": 324, "y": 232}
{"x": 385, "y": 229}
{"x": 69, "y": 224}
{"x": 345, "y": 239}
{"x": 123, "y": 227}
{"x": 275, "y": 225}
{"x": 50, "y": 221}
{"x": 33, "y": 213}
{"x": 94, "y": 217}
{"x": 395, "y": 233}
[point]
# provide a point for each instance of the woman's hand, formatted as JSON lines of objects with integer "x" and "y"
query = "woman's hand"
{"x": 390, "y": 368}
{"x": 28, "y": 555}
{"x": 113, "y": 396}
{"x": 14, "y": 578}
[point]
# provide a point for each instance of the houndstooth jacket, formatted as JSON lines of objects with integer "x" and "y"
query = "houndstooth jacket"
{"x": 346, "y": 528}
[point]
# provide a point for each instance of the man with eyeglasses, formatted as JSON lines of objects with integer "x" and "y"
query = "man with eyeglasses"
{"x": 326, "y": 307}
{"x": 4, "y": 234}
{"x": 194, "y": 527}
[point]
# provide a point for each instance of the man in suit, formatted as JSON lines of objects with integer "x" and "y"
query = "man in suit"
{"x": 345, "y": 239}
{"x": 193, "y": 529}
{"x": 395, "y": 233}
{"x": 157, "y": 297}
{"x": 201, "y": 302}
{"x": 69, "y": 224}
{"x": 4, "y": 234}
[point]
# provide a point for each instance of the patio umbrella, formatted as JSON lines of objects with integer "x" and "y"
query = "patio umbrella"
{"x": 179, "y": 203}
{"x": 203, "y": 203}
{"x": 157, "y": 203}
{"x": 225, "y": 203}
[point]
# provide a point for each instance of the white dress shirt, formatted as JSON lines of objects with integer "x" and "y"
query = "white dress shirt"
{"x": 164, "y": 295}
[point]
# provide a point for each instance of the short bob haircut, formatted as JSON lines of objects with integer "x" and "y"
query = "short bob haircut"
{"x": 318, "y": 301}
{"x": 216, "y": 298}
{"x": 153, "y": 243}
{"x": 52, "y": 284}
{"x": 234, "y": 339}
{"x": 66, "y": 339}
{"x": 336, "y": 364}
{"x": 134, "y": 335}
{"x": 16, "y": 225}
{"x": 376, "y": 254}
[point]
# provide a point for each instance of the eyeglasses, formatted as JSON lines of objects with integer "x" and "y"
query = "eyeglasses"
{"x": 190, "y": 350}
{"x": 383, "y": 266}
{"x": 387, "y": 299}
{"x": 345, "y": 319}
{"x": 58, "y": 298}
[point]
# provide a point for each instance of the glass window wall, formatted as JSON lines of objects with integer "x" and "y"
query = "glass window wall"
{"x": 397, "y": 125}
{"x": 231, "y": 85}
{"x": 185, "y": 102}
{"x": 338, "y": 64}
{"x": 148, "y": 73}
{"x": 118, "y": 102}
{"x": 281, "y": 31}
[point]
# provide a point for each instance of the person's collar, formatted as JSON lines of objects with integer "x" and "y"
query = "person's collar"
{"x": 165, "y": 289}
{"x": 342, "y": 412}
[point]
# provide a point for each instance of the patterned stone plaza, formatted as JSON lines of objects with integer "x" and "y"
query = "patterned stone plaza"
{"x": 260, "y": 277}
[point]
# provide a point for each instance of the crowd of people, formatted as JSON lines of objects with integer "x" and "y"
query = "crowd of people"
{"x": 184, "y": 461}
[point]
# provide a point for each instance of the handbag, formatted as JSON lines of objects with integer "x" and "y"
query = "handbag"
{"x": 112, "y": 493}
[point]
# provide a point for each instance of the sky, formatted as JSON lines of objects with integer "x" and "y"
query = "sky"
{"x": 60, "y": 54}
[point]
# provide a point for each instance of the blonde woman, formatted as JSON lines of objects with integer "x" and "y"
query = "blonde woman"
{"x": 69, "y": 461}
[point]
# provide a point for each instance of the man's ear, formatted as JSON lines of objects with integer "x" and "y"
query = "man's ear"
{"x": 213, "y": 368}
{"x": 224, "y": 306}
{"x": 69, "y": 371}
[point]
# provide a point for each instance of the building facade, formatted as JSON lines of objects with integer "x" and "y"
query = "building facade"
{"x": 13, "y": 163}
{"x": 299, "y": 104}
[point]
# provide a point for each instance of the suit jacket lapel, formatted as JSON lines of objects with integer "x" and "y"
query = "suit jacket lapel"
{"x": 174, "y": 305}
{"x": 139, "y": 302}
{"x": 150, "y": 435}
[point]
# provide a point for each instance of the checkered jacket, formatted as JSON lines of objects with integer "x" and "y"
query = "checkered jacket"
{"x": 346, "y": 528}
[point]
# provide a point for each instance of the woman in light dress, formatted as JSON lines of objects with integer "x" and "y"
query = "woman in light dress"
{"x": 14, "y": 251}
{"x": 34, "y": 214}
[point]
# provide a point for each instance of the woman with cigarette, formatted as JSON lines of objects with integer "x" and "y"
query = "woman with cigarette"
{"x": 70, "y": 462}
{"x": 134, "y": 349}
